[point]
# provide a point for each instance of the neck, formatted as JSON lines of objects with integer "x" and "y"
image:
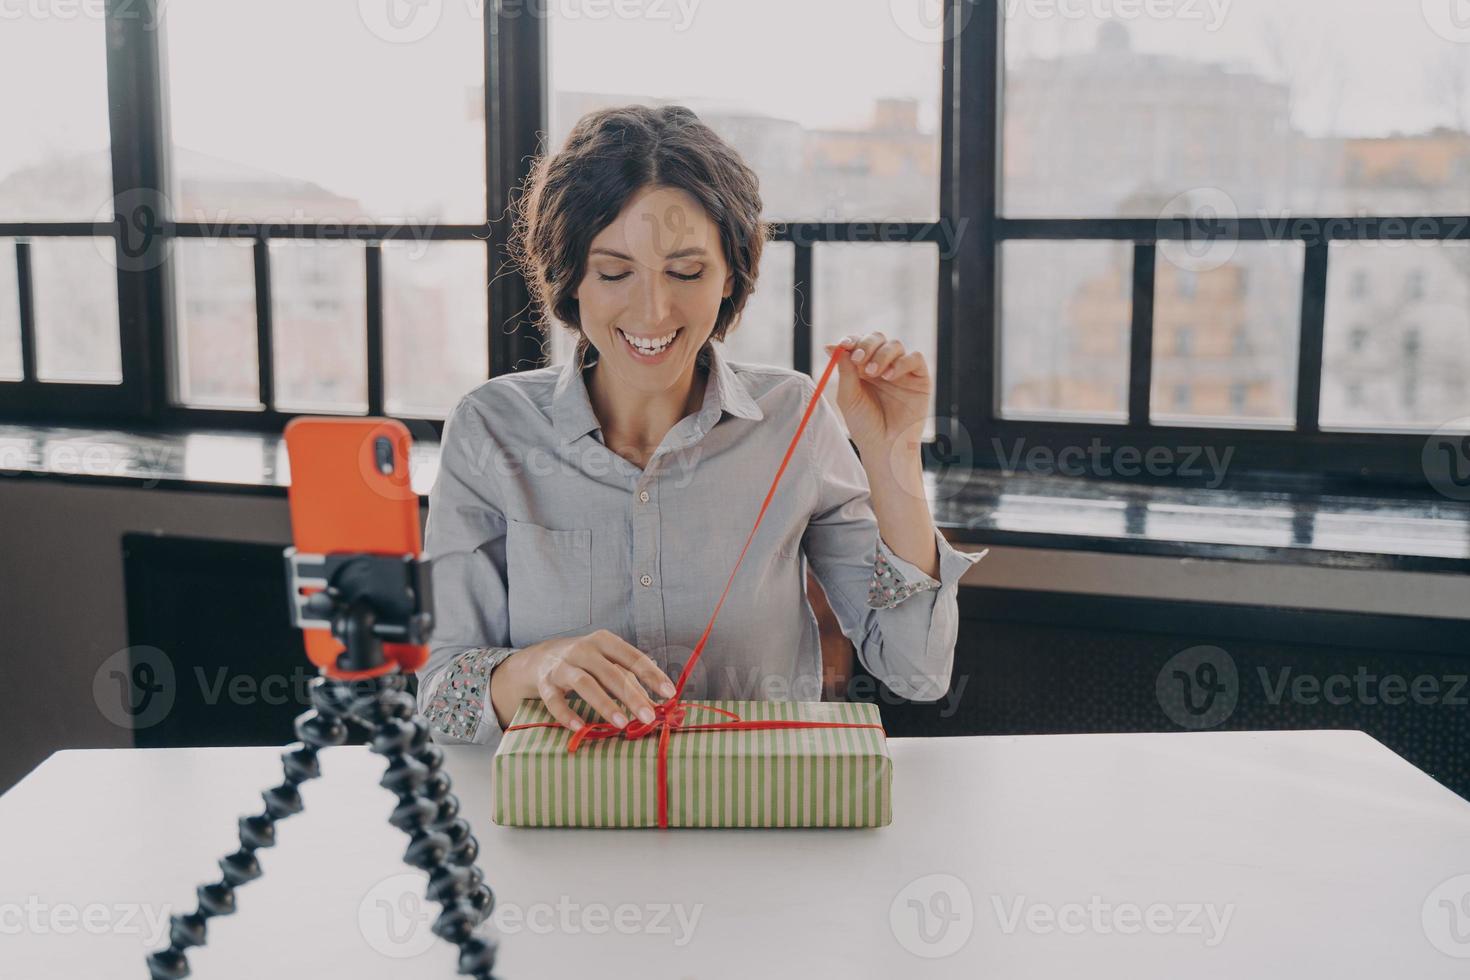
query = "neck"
{"x": 638, "y": 420}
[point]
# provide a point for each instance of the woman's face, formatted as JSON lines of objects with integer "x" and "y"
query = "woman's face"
{"x": 652, "y": 290}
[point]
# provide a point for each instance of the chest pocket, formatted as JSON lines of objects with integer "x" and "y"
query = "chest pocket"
{"x": 549, "y": 587}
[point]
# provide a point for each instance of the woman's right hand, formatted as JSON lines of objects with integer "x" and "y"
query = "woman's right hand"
{"x": 608, "y": 673}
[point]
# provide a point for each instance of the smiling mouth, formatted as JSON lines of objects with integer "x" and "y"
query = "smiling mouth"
{"x": 644, "y": 351}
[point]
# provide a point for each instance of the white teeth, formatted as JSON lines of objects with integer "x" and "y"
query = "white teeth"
{"x": 647, "y": 347}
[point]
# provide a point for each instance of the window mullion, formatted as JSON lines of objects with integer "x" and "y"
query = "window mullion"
{"x": 803, "y": 307}
{"x": 24, "y": 286}
{"x": 1141, "y": 336}
{"x": 1309, "y": 353}
{"x": 975, "y": 367}
{"x": 140, "y": 205}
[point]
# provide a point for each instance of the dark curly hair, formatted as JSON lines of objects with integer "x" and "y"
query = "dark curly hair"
{"x": 572, "y": 195}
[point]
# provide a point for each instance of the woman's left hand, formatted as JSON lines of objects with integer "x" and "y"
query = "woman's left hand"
{"x": 885, "y": 393}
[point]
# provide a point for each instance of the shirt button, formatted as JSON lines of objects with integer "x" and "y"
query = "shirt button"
{"x": 643, "y": 496}
{"x": 646, "y": 580}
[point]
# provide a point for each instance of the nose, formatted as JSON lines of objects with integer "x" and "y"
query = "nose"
{"x": 653, "y": 303}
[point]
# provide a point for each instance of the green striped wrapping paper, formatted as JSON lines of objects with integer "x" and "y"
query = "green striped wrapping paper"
{"x": 817, "y": 777}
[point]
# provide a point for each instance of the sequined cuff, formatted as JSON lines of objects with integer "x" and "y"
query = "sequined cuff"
{"x": 458, "y": 705}
{"x": 888, "y": 587}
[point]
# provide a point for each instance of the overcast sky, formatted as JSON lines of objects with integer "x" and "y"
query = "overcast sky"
{"x": 308, "y": 89}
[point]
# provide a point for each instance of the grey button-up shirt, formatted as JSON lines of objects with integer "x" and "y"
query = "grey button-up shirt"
{"x": 537, "y": 529}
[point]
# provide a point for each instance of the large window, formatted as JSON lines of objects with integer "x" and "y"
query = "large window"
{"x": 333, "y": 151}
{"x": 1165, "y": 225}
{"x": 1233, "y": 224}
{"x": 56, "y": 165}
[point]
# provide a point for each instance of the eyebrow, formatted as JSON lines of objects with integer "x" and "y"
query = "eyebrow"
{"x": 628, "y": 258}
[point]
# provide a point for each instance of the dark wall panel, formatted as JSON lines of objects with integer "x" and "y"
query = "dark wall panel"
{"x": 1030, "y": 663}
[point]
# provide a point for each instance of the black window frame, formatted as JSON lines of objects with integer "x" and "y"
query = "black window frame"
{"x": 969, "y": 233}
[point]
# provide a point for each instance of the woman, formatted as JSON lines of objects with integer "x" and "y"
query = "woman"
{"x": 585, "y": 518}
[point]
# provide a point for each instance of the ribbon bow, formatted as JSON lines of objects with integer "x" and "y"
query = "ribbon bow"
{"x": 667, "y": 718}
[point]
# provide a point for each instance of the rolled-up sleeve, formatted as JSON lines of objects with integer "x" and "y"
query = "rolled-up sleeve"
{"x": 465, "y": 540}
{"x": 903, "y": 623}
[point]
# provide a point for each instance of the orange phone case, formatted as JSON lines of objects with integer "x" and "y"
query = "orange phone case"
{"x": 342, "y": 502}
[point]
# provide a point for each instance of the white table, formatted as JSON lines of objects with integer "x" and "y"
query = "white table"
{"x": 1321, "y": 854}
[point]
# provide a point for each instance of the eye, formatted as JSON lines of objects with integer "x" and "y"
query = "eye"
{"x": 619, "y": 278}
{"x": 687, "y": 278}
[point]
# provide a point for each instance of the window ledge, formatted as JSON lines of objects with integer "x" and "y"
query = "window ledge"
{"x": 1422, "y": 534}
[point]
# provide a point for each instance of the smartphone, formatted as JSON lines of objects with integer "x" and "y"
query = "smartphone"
{"x": 350, "y": 493}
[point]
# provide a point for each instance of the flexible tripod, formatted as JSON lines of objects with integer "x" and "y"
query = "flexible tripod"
{"x": 363, "y": 599}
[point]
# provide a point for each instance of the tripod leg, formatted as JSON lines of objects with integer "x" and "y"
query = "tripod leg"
{"x": 440, "y": 841}
{"x": 322, "y": 727}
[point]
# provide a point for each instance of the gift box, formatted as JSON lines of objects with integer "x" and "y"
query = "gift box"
{"x": 699, "y": 764}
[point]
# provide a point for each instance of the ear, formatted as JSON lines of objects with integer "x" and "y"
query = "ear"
{"x": 729, "y": 284}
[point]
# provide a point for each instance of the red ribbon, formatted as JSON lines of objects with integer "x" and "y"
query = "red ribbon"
{"x": 669, "y": 717}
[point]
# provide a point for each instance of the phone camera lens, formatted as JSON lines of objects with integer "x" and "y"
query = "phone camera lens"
{"x": 383, "y": 450}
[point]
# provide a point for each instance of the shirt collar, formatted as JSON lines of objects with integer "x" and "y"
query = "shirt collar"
{"x": 571, "y": 406}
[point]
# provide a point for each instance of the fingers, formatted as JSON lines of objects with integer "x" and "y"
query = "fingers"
{"x": 604, "y": 670}
{"x": 619, "y": 682}
{"x": 860, "y": 347}
{"x": 555, "y": 684}
{"x": 911, "y": 363}
{"x": 584, "y": 683}
{"x": 876, "y": 356}
{"x": 622, "y": 652}
{"x": 881, "y": 358}
{"x": 867, "y": 346}
{"x": 556, "y": 703}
